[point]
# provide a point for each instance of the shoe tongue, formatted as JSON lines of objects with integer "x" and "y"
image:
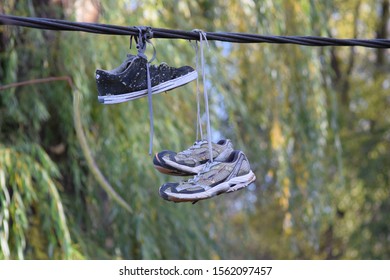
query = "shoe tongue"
{"x": 197, "y": 144}
{"x": 200, "y": 142}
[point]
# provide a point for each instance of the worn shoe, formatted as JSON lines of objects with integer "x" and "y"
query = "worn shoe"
{"x": 129, "y": 81}
{"x": 215, "y": 178}
{"x": 191, "y": 161}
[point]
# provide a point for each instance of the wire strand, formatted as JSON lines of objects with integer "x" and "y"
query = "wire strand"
{"x": 108, "y": 29}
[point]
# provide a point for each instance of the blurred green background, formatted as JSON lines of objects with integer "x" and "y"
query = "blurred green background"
{"x": 314, "y": 123}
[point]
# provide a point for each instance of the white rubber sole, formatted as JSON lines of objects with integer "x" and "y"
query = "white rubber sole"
{"x": 185, "y": 168}
{"x": 232, "y": 185}
{"x": 168, "y": 85}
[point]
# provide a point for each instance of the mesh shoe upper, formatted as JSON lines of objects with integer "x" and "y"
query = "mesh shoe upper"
{"x": 216, "y": 177}
{"x": 130, "y": 76}
{"x": 191, "y": 161}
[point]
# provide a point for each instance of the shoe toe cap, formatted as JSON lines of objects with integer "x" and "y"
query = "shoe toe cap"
{"x": 184, "y": 70}
{"x": 160, "y": 157}
{"x": 166, "y": 189}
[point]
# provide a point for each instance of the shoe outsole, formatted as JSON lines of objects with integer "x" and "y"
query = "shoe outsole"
{"x": 166, "y": 86}
{"x": 170, "y": 171}
{"x": 232, "y": 185}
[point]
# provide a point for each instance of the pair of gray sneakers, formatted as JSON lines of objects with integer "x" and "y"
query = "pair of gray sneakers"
{"x": 228, "y": 170}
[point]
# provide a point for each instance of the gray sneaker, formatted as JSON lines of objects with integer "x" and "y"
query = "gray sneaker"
{"x": 215, "y": 178}
{"x": 191, "y": 161}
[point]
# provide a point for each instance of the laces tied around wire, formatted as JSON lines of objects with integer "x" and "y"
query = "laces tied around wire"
{"x": 145, "y": 34}
{"x": 202, "y": 40}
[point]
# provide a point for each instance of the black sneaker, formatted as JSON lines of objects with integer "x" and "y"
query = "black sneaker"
{"x": 129, "y": 80}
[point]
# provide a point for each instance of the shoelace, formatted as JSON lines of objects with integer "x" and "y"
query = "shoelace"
{"x": 198, "y": 118}
{"x": 204, "y": 170}
{"x": 195, "y": 146}
{"x": 202, "y": 39}
{"x": 142, "y": 41}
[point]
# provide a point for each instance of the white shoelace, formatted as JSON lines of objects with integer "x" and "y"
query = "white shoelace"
{"x": 202, "y": 40}
{"x": 195, "y": 146}
{"x": 198, "y": 118}
{"x": 205, "y": 169}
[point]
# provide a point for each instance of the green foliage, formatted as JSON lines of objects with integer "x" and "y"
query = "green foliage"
{"x": 27, "y": 178}
{"x": 313, "y": 121}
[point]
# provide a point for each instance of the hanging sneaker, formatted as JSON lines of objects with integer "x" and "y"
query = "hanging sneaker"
{"x": 191, "y": 161}
{"x": 129, "y": 81}
{"x": 215, "y": 178}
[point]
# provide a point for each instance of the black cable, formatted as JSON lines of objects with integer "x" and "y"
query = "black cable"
{"x": 107, "y": 29}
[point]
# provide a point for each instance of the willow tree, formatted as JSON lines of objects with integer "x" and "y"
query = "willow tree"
{"x": 306, "y": 117}
{"x": 52, "y": 204}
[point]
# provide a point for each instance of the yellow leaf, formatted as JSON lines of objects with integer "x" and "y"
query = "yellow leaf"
{"x": 277, "y": 139}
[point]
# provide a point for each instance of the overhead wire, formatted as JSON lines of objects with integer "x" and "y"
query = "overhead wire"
{"x": 232, "y": 37}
